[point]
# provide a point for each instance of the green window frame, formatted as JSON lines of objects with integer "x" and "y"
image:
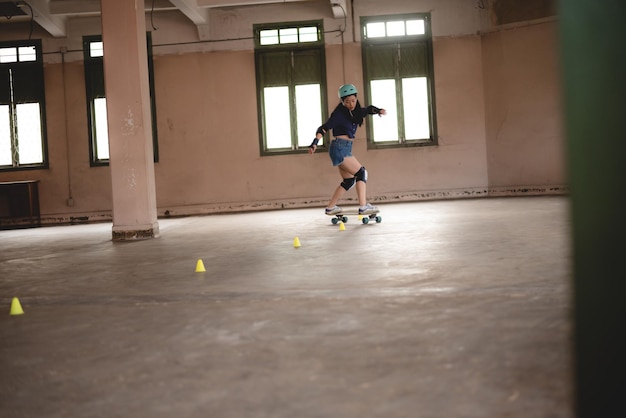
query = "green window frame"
{"x": 23, "y": 138}
{"x": 93, "y": 53}
{"x": 291, "y": 84}
{"x": 399, "y": 76}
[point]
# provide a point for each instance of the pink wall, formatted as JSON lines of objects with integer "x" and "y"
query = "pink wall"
{"x": 523, "y": 106}
{"x": 212, "y": 124}
{"x": 498, "y": 115}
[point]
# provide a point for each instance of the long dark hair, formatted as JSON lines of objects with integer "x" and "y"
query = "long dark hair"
{"x": 355, "y": 116}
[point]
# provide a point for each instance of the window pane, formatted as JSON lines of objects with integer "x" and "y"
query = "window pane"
{"x": 269, "y": 37}
{"x": 305, "y": 67}
{"x": 5, "y": 136}
{"x": 275, "y": 68}
{"x": 289, "y": 86}
{"x": 101, "y": 128}
{"x": 309, "y": 112}
{"x": 414, "y": 60}
{"x": 277, "y": 117}
{"x": 395, "y": 28}
{"x": 8, "y": 55}
{"x": 27, "y": 53}
{"x": 384, "y": 96}
{"x": 398, "y": 72}
{"x": 29, "y": 133}
{"x": 375, "y": 30}
{"x": 416, "y": 118}
{"x": 415, "y": 27}
{"x": 308, "y": 34}
{"x": 96, "y": 49}
{"x": 288, "y": 36}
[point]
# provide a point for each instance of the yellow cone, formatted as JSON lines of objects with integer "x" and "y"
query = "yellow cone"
{"x": 200, "y": 267}
{"x": 16, "y": 307}
{"x": 296, "y": 242}
{"x": 342, "y": 227}
{"x": 360, "y": 217}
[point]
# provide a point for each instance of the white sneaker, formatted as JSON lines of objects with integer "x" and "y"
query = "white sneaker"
{"x": 333, "y": 211}
{"x": 368, "y": 209}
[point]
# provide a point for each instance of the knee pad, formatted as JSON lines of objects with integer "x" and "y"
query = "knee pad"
{"x": 361, "y": 175}
{"x": 348, "y": 183}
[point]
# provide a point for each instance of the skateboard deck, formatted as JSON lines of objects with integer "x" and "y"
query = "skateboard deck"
{"x": 341, "y": 217}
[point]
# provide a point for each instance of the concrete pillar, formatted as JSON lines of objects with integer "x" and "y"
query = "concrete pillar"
{"x": 129, "y": 122}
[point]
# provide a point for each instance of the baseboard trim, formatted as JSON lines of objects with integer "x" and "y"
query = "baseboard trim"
{"x": 240, "y": 207}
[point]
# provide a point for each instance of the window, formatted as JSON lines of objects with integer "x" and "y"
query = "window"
{"x": 398, "y": 69}
{"x": 22, "y": 106}
{"x": 290, "y": 73}
{"x": 96, "y": 101}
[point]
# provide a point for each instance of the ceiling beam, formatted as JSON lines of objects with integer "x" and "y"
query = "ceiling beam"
{"x": 90, "y": 7}
{"x": 54, "y": 25}
{"x": 74, "y": 7}
{"x": 52, "y": 15}
{"x": 230, "y": 3}
{"x": 189, "y": 8}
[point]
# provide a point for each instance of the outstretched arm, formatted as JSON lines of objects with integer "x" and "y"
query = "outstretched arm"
{"x": 373, "y": 110}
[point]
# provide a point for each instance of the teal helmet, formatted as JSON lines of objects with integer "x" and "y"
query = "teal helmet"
{"x": 347, "y": 90}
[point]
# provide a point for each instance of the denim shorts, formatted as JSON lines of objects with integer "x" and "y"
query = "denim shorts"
{"x": 339, "y": 149}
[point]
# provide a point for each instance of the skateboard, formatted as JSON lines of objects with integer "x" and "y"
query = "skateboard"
{"x": 341, "y": 217}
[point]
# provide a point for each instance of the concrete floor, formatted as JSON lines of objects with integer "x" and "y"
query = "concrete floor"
{"x": 445, "y": 309}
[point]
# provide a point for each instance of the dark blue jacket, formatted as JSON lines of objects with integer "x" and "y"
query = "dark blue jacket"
{"x": 344, "y": 122}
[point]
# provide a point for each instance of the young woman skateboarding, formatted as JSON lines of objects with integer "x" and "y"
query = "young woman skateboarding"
{"x": 347, "y": 116}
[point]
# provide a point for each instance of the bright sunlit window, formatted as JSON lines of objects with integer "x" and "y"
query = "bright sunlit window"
{"x": 384, "y": 91}
{"x": 22, "y": 107}
{"x": 399, "y": 75}
{"x": 96, "y": 101}
{"x": 393, "y": 28}
{"x": 93, "y": 49}
{"x": 96, "y": 49}
{"x": 277, "y": 117}
{"x": 290, "y": 72}
{"x": 5, "y": 136}
{"x": 28, "y": 117}
{"x": 101, "y": 128}
{"x": 288, "y": 35}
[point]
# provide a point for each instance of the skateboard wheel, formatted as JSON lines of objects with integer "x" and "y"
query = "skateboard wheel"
{"x": 379, "y": 219}
{"x": 344, "y": 219}
{"x": 334, "y": 221}
{"x": 365, "y": 220}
